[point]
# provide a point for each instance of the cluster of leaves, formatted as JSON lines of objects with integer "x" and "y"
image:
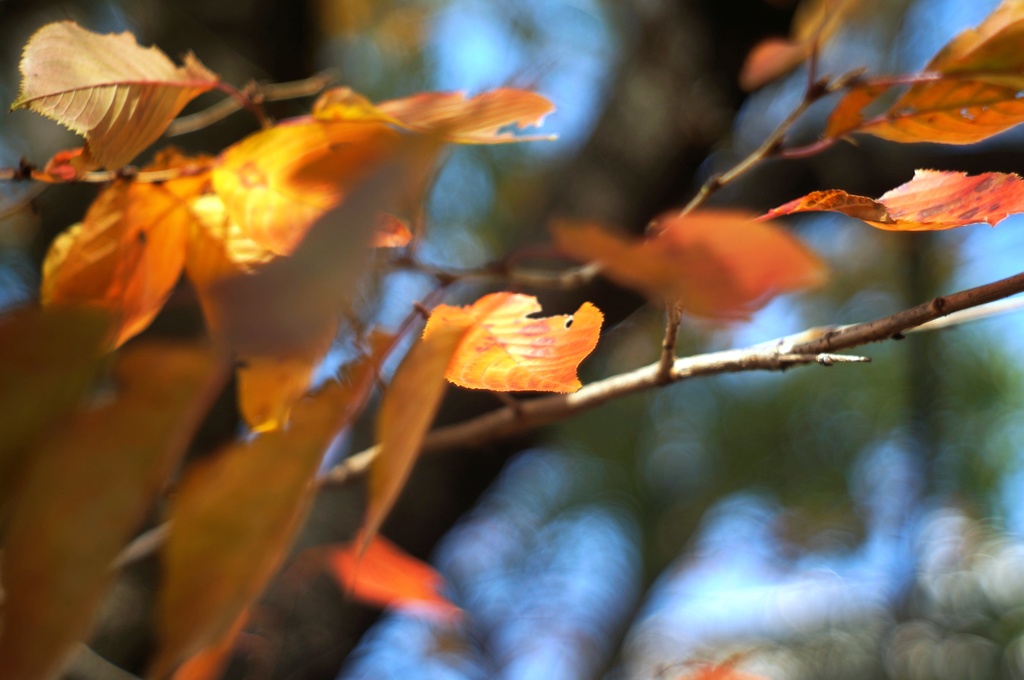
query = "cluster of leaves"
{"x": 275, "y": 234}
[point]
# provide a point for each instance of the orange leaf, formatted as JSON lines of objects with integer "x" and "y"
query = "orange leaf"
{"x": 210, "y": 662}
{"x": 931, "y": 201}
{"x": 127, "y": 254}
{"x": 718, "y": 264}
{"x": 976, "y": 94}
{"x": 277, "y": 182}
{"x": 474, "y": 120}
{"x": 119, "y": 96}
{"x": 235, "y": 516}
{"x": 89, "y": 485}
{"x": 61, "y": 167}
{"x": 506, "y": 350}
{"x": 50, "y": 358}
{"x": 382, "y": 575}
{"x": 408, "y": 409}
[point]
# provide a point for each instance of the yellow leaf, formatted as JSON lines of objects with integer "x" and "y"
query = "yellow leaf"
{"x": 89, "y": 485}
{"x": 454, "y": 116}
{"x": 506, "y": 349}
{"x": 276, "y": 183}
{"x": 235, "y": 516}
{"x": 408, "y": 409}
{"x": 119, "y": 96}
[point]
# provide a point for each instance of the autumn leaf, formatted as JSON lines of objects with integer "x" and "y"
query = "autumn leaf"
{"x": 718, "y": 264}
{"x": 483, "y": 119}
{"x": 289, "y": 305}
{"x": 235, "y": 516}
{"x": 119, "y": 96}
{"x": 382, "y": 575}
{"x": 50, "y": 358}
{"x": 974, "y": 94}
{"x": 276, "y": 183}
{"x": 127, "y": 254}
{"x": 815, "y": 21}
{"x": 90, "y": 484}
{"x": 408, "y": 409}
{"x": 506, "y": 349}
{"x": 933, "y": 200}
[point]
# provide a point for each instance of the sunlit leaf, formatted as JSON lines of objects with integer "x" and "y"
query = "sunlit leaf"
{"x": 932, "y": 200}
{"x": 506, "y": 349}
{"x": 49, "y": 360}
{"x": 118, "y": 95}
{"x": 277, "y": 182}
{"x": 89, "y": 485}
{"x": 382, "y": 575}
{"x": 235, "y": 516}
{"x": 268, "y": 387}
{"x": 391, "y": 232}
{"x": 408, "y": 409}
{"x": 976, "y": 92}
{"x": 483, "y": 119}
{"x": 127, "y": 254}
{"x": 718, "y": 264}
{"x": 287, "y": 306}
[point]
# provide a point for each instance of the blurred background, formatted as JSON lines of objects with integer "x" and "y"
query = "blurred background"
{"x": 857, "y": 522}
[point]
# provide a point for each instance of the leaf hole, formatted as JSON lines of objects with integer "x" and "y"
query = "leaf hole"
{"x": 568, "y": 323}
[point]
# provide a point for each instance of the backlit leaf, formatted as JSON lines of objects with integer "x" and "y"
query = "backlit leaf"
{"x": 932, "y": 200}
{"x": 718, "y": 264}
{"x": 453, "y": 115}
{"x": 287, "y": 306}
{"x": 382, "y": 575}
{"x": 976, "y": 94}
{"x": 277, "y": 182}
{"x": 408, "y": 409}
{"x": 50, "y": 358}
{"x": 506, "y": 349}
{"x": 118, "y": 95}
{"x": 127, "y": 254}
{"x": 90, "y": 484}
{"x": 235, "y": 516}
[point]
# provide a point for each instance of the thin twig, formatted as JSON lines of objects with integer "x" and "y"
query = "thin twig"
{"x": 266, "y": 92}
{"x": 674, "y": 315}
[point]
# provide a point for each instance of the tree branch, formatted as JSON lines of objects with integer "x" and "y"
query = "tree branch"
{"x": 773, "y": 356}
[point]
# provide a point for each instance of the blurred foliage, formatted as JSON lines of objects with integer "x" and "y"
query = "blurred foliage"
{"x": 852, "y": 522}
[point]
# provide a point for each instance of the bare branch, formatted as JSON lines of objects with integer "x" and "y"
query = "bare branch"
{"x": 773, "y": 356}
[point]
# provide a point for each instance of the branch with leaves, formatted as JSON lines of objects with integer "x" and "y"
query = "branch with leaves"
{"x": 277, "y": 233}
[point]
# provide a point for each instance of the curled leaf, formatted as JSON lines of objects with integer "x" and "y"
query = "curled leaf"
{"x": 507, "y": 349}
{"x": 975, "y": 92}
{"x": 718, "y": 264}
{"x": 931, "y": 201}
{"x": 453, "y": 115}
{"x": 127, "y": 254}
{"x": 118, "y": 95}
